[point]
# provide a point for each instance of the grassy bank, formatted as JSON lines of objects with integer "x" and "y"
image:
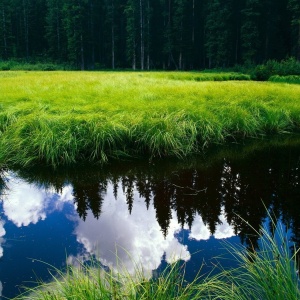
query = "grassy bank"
{"x": 269, "y": 273}
{"x": 66, "y": 117}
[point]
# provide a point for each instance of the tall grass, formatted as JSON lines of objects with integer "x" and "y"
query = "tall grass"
{"x": 286, "y": 79}
{"x": 270, "y": 272}
{"x": 61, "y": 118}
{"x": 207, "y": 75}
{"x": 91, "y": 282}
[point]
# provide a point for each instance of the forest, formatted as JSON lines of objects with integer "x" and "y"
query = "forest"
{"x": 149, "y": 34}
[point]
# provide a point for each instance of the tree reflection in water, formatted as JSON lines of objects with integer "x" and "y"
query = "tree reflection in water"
{"x": 242, "y": 186}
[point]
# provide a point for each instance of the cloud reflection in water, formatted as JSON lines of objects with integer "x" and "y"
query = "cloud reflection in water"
{"x": 2, "y": 234}
{"x": 138, "y": 233}
{"x": 24, "y": 203}
{"x": 199, "y": 231}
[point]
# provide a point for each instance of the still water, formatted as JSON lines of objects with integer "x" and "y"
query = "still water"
{"x": 159, "y": 211}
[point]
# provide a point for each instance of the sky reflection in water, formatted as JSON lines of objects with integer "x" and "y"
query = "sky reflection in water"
{"x": 138, "y": 233}
{"x": 154, "y": 217}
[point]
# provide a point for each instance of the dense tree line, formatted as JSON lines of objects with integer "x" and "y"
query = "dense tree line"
{"x": 150, "y": 34}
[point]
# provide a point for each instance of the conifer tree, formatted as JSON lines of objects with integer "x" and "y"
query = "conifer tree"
{"x": 294, "y": 6}
{"x": 218, "y": 31}
{"x": 74, "y": 20}
{"x": 54, "y": 30}
{"x": 5, "y": 29}
{"x": 131, "y": 11}
{"x": 250, "y": 31}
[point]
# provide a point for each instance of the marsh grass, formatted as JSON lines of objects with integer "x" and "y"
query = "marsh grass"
{"x": 62, "y": 118}
{"x": 31, "y": 66}
{"x": 207, "y": 75}
{"x": 286, "y": 79}
{"x": 269, "y": 272}
{"x": 91, "y": 282}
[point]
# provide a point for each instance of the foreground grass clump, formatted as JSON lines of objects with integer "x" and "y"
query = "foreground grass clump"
{"x": 61, "y": 118}
{"x": 269, "y": 273}
{"x": 91, "y": 283}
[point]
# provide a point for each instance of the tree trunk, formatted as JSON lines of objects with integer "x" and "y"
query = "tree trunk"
{"x": 180, "y": 61}
{"x": 112, "y": 35}
{"x": 81, "y": 52}
{"x": 148, "y": 35}
{"x": 4, "y": 34}
{"x": 298, "y": 45}
{"x": 134, "y": 57}
{"x": 57, "y": 30}
{"x": 92, "y": 36}
{"x": 26, "y": 29}
{"x": 142, "y": 35}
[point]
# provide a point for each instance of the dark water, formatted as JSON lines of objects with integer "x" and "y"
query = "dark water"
{"x": 158, "y": 211}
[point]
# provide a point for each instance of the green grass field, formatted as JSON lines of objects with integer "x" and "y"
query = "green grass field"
{"x": 62, "y": 118}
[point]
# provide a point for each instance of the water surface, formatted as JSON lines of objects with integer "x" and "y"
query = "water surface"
{"x": 157, "y": 211}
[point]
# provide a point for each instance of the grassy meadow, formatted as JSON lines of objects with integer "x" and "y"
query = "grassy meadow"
{"x": 61, "y": 118}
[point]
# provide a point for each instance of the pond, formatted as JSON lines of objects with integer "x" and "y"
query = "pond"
{"x": 157, "y": 211}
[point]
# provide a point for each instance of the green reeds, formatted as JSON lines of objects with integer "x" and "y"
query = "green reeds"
{"x": 61, "y": 118}
{"x": 91, "y": 282}
{"x": 270, "y": 272}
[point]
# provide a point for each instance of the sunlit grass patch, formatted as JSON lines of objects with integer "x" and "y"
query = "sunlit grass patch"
{"x": 66, "y": 117}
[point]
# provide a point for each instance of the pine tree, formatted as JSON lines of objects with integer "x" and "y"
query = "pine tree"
{"x": 250, "y": 31}
{"x": 218, "y": 33}
{"x": 5, "y": 29}
{"x": 178, "y": 27}
{"x": 131, "y": 11}
{"x": 54, "y": 31}
{"x": 294, "y": 7}
{"x": 73, "y": 19}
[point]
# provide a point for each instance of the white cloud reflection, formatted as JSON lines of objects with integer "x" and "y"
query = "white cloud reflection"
{"x": 1, "y": 289}
{"x": 2, "y": 234}
{"x": 25, "y": 203}
{"x": 224, "y": 230}
{"x": 199, "y": 231}
{"x": 139, "y": 234}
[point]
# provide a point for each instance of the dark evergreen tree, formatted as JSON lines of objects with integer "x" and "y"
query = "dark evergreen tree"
{"x": 54, "y": 30}
{"x": 110, "y": 22}
{"x": 218, "y": 33}
{"x": 150, "y": 34}
{"x": 179, "y": 32}
{"x": 250, "y": 31}
{"x": 74, "y": 19}
{"x": 131, "y": 12}
{"x": 5, "y": 29}
{"x": 294, "y": 7}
